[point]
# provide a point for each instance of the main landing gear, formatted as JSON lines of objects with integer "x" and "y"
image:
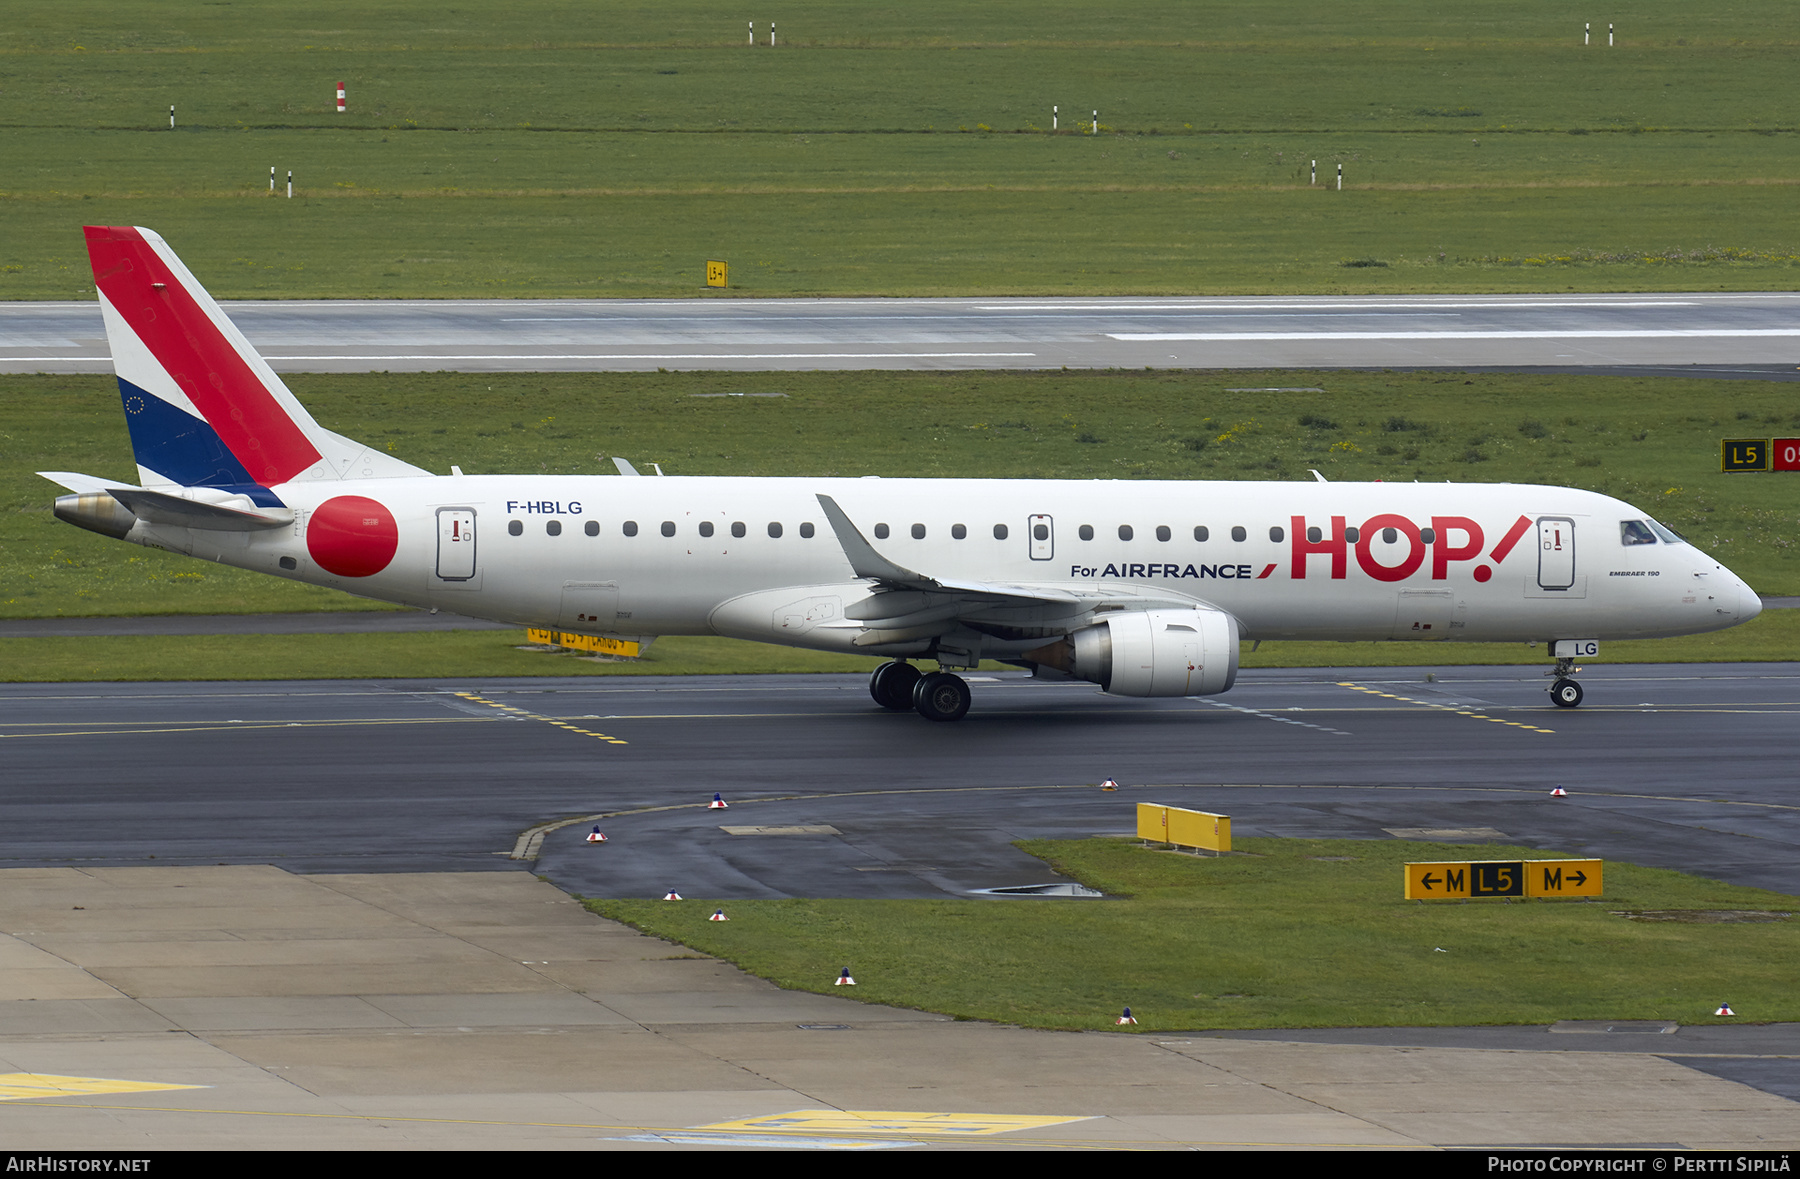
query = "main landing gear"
{"x": 1565, "y": 692}
{"x": 939, "y": 696}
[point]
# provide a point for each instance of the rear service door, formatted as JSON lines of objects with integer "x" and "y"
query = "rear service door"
{"x": 456, "y": 544}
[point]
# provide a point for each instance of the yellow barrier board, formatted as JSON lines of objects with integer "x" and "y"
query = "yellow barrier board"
{"x": 1183, "y": 828}
{"x": 1466, "y": 879}
{"x": 599, "y": 646}
{"x": 717, "y": 274}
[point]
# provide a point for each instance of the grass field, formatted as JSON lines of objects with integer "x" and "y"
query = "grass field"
{"x": 569, "y": 149}
{"x": 1282, "y": 933}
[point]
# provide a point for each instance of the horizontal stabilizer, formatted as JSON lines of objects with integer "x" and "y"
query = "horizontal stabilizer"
{"x": 79, "y": 483}
{"x": 157, "y": 507}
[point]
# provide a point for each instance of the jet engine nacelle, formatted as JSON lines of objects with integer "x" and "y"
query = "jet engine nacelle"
{"x": 1158, "y": 653}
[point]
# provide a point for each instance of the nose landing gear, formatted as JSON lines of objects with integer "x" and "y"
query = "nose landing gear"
{"x": 1565, "y": 692}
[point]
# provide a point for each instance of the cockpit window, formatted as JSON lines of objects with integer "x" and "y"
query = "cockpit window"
{"x": 1635, "y": 532}
{"x": 1669, "y": 535}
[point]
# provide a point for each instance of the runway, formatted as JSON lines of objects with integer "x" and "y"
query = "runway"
{"x": 1745, "y": 334}
{"x": 1681, "y": 766}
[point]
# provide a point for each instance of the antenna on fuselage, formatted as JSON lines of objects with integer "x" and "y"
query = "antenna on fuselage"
{"x": 625, "y": 468}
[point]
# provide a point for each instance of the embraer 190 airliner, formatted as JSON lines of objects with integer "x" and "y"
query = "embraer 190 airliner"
{"x": 1144, "y": 588}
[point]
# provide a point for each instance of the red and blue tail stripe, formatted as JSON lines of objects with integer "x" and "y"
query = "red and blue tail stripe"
{"x": 204, "y": 408}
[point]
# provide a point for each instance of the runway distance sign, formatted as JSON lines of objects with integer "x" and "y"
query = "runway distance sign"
{"x": 1473, "y": 879}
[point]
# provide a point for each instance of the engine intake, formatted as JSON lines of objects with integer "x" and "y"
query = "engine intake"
{"x": 1151, "y": 653}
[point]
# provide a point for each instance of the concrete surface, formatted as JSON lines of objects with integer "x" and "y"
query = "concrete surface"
{"x": 490, "y": 1011}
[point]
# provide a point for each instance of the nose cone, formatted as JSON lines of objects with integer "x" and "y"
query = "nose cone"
{"x": 1749, "y": 605}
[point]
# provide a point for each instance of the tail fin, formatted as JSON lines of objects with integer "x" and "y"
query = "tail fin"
{"x": 204, "y": 409}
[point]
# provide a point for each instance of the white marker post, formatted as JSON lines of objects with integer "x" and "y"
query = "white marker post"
{"x": 1587, "y": 30}
{"x": 171, "y": 118}
{"x": 290, "y": 184}
{"x": 1315, "y": 174}
{"x": 1096, "y": 129}
{"x": 1609, "y": 40}
{"x": 271, "y": 179}
{"x": 1340, "y": 178}
{"x": 1053, "y": 118}
{"x": 340, "y": 98}
{"x": 752, "y": 40}
{"x": 771, "y": 34}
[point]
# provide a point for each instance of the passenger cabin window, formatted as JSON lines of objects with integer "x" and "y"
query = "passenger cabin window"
{"x": 706, "y": 528}
{"x": 1202, "y": 532}
{"x": 1390, "y": 535}
{"x": 918, "y": 531}
{"x": 1238, "y": 533}
{"x": 1124, "y": 532}
{"x": 592, "y": 528}
{"x": 1313, "y": 536}
{"x": 774, "y": 528}
{"x": 1352, "y": 534}
{"x": 515, "y": 528}
{"x": 1276, "y": 533}
{"x": 737, "y": 528}
{"x": 1428, "y": 535}
{"x": 1162, "y": 532}
{"x": 630, "y": 528}
{"x": 553, "y": 527}
{"x": 881, "y": 532}
{"x": 999, "y": 532}
{"x": 1040, "y": 531}
{"x": 957, "y": 531}
{"x": 668, "y": 528}
{"x": 1635, "y": 532}
{"x": 1085, "y": 532}
{"x": 806, "y": 530}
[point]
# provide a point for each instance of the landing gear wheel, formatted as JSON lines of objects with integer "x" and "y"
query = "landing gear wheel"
{"x": 941, "y": 696}
{"x": 1566, "y": 693}
{"x": 892, "y": 685}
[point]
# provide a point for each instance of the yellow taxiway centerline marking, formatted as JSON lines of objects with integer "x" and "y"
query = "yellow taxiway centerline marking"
{"x": 228, "y": 727}
{"x": 24, "y": 1086}
{"x": 550, "y": 720}
{"x": 1443, "y": 708}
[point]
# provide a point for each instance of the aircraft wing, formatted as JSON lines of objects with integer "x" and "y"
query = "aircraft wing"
{"x": 910, "y": 605}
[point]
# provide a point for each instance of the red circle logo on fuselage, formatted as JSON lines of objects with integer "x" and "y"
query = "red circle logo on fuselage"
{"x": 352, "y": 536}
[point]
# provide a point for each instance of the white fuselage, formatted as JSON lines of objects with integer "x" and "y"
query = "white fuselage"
{"x": 627, "y": 556}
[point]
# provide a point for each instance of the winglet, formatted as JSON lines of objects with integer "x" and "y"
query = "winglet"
{"x": 864, "y": 560}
